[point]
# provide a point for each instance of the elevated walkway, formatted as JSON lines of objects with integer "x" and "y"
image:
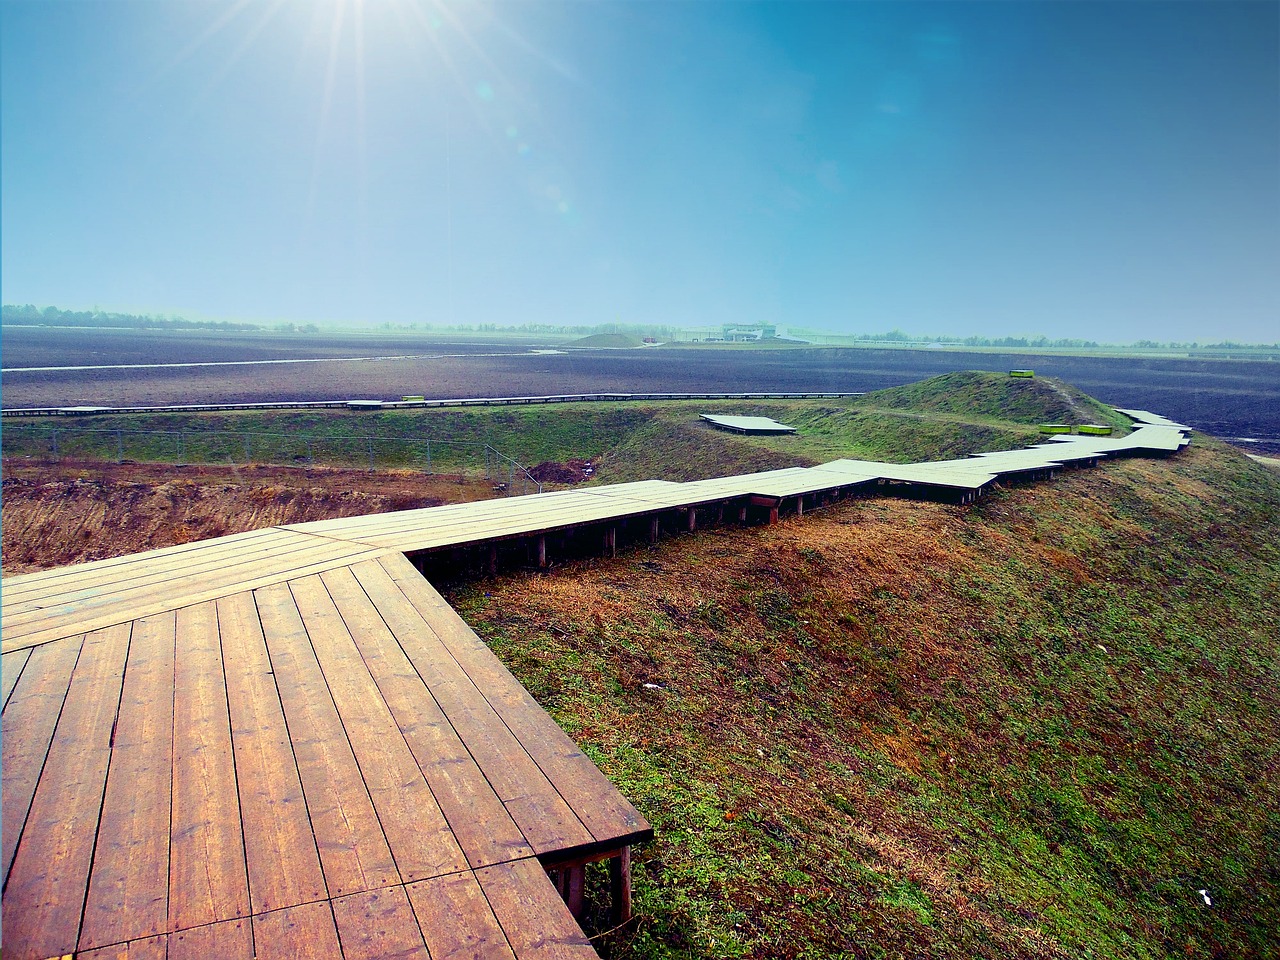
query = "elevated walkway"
{"x": 285, "y": 743}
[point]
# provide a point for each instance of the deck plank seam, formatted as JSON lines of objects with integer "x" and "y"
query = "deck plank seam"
{"x": 150, "y": 580}
{"x": 302, "y": 783}
{"x": 216, "y": 551}
{"x": 53, "y": 733}
{"x": 255, "y": 917}
{"x": 173, "y": 759}
{"x": 235, "y": 772}
{"x": 111, "y": 618}
{"x": 501, "y": 718}
{"x": 24, "y": 655}
{"x": 38, "y": 577}
{"x": 350, "y": 746}
{"x": 497, "y": 712}
{"x": 284, "y": 717}
{"x": 448, "y": 719}
{"x": 102, "y": 798}
{"x": 428, "y": 691}
{"x": 383, "y": 700}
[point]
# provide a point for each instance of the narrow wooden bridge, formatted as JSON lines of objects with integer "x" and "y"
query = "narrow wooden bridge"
{"x": 285, "y": 743}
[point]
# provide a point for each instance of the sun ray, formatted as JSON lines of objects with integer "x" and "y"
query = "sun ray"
{"x": 188, "y": 51}
{"x": 269, "y": 12}
{"x": 326, "y": 103}
{"x": 362, "y": 146}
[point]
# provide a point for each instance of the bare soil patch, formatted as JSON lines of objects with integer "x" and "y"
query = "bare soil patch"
{"x": 572, "y": 471}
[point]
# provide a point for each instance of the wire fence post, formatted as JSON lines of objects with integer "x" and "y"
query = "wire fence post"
{"x": 182, "y": 448}
{"x": 55, "y": 441}
{"x": 428, "y": 456}
{"x": 247, "y": 455}
{"x": 119, "y": 446}
{"x": 370, "y": 442}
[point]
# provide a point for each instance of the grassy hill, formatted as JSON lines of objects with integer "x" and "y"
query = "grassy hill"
{"x": 1035, "y": 727}
{"x": 948, "y": 416}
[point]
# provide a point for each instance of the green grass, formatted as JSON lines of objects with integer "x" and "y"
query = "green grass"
{"x": 632, "y": 440}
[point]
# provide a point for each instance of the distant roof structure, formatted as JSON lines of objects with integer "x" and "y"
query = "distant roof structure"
{"x": 747, "y": 424}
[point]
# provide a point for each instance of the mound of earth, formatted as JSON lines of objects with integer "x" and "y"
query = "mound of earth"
{"x": 984, "y": 393}
{"x": 571, "y": 471}
{"x": 611, "y": 340}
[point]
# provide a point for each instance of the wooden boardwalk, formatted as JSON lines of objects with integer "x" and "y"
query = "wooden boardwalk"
{"x": 285, "y": 743}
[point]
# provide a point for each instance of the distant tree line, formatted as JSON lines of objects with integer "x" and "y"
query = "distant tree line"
{"x": 1038, "y": 342}
{"x": 29, "y": 315}
{"x": 53, "y": 317}
{"x": 661, "y": 331}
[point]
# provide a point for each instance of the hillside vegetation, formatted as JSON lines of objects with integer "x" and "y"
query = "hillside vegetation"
{"x": 1034, "y": 727}
{"x": 631, "y": 440}
{"x": 1038, "y": 726}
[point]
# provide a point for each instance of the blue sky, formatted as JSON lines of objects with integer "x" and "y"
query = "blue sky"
{"x": 1075, "y": 169}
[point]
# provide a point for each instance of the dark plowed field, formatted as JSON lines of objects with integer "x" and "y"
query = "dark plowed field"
{"x": 1228, "y": 398}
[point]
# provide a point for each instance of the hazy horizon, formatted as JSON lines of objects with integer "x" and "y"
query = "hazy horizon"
{"x": 1102, "y": 171}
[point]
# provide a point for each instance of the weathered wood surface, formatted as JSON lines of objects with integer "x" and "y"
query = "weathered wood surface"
{"x": 198, "y": 780}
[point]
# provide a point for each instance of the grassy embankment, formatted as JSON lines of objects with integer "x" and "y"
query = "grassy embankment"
{"x": 1035, "y": 727}
{"x": 631, "y": 440}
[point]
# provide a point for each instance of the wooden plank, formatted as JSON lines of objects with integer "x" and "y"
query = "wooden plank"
{"x": 379, "y": 925}
{"x": 129, "y": 884}
{"x": 457, "y": 921}
{"x": 305, "y": 932}
{"x": 475, "y": 522}
{"x": 212, "y": 556}
{"x": 534, "y": 918}
{"x": 151, "y": 948}
{"x": 228, "y": 940}
{"x": 11, "y": 665}
{"x": 201, "y": 570}
{"x": 543, "y": 816}
{"x": 44, "y": 581}
{"x": 596, "y": 801}
{"x": 416, "y": 830}
{"x": 475, "y": 814}
{"x": 26, "y": 732}
{"x": 207, "y": 877}
{"x": 44, "y": 896}
{"x": 122, "y": 611}
{"x": 353, "y": 849}
{"x": 280, "y": 848}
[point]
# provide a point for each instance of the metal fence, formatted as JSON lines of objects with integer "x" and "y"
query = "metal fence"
{"x": 215, "y": 447}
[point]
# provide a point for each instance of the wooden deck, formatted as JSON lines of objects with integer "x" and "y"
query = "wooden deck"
{"x": 285, "y": 743}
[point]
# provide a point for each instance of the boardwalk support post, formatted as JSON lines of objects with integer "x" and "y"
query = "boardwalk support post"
{"x": 611, "y": 541}
{"x": 493, "y": 558}
{"x": 576, "y": 877}
{"x": 654, "y": 527}
{"x": 620, "y": 886}
{"x": 542, "y": 551}
{"x": 693, "y": 519}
